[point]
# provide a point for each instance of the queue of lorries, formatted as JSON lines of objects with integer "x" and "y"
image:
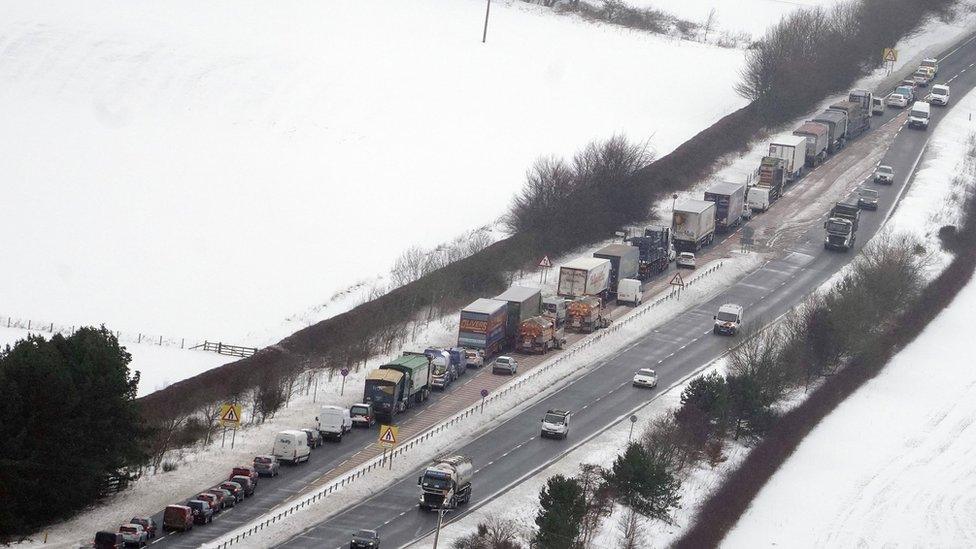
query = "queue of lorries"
{"x": 522, "y": 320}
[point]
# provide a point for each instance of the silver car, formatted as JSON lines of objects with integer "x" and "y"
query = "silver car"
{"x": 266, "y": 466}
{"x": 504, "y": 364}
{"x": 134, "y": 534}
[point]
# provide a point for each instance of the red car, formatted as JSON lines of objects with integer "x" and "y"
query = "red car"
{"x": 147, "y": 523}
{"x": 211, "y": 499}
{"x": 245, "y": 471}
{"x": 177, "y": 517}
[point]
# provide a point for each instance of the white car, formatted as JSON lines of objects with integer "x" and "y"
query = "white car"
{"x": 134, "y": 534}
{"x": 939, "y": 95}
{"x": 686, "y": 260}
{"x": 505, "y": 364}
{"x": 474, "y": 358}
{"x": 555, "y": 424}
{"x": 645, "y": 377}
{"x": 897, "y": 100}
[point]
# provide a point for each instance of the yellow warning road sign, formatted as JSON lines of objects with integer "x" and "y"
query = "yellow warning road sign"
{"x": 388, "y": 435}
{"x": 230, "y": 415}
{"x": 890, "y": 54}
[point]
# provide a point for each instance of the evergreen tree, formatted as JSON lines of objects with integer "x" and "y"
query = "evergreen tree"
{"x": 69, "y": 426}
{"x": 561, "y": 507}
{"x": 644, "y": 483}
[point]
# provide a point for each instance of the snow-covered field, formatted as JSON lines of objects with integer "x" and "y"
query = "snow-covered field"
{"x": 750, "y": 16}
{"x": 226, "y": 171}
{"x": 909, "y": 479}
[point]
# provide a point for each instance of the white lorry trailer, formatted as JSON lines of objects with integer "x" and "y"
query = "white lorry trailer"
{"x": 694, "y": 224}
{"x": 584, "y": 276}
{"x": 446, "y": 483}
{"x": 793, "y": 150}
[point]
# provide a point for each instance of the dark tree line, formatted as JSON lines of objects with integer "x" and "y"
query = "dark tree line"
{"x": 69, "y": 427}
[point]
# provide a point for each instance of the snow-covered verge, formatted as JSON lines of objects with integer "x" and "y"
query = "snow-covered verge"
{"x": 933, "y": 200}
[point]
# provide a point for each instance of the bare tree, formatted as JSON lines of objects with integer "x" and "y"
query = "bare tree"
{"x": 631, "y": 530}
{"x": 707, "y": 26}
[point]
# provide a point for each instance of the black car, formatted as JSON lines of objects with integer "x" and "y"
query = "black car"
{"x": 365, "y": 539}
{"x": 314, "y": 437}
{"x": 202, "y": 512}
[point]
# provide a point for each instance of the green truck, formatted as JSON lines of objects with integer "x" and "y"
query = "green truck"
{"x": 394, "y": 386}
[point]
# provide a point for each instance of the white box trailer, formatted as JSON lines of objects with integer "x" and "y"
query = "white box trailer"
{"x": 584, "y": 276}
{"x": 694, "y": 224}
{"x": 793, "y": 150}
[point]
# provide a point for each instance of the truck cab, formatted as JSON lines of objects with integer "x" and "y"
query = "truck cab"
{"x": 728, "y": 320}
{"x": 446, "y": 483}
{"x": 554, "y": 308}
{"x": 839, "y": 234}
{"x": 555, "y": 424}
{"x": 931, "y": 63}
{"x": 442, "y": 372}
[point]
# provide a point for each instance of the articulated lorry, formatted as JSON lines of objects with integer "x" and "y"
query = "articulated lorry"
{"x": 818, "y": 138}
{"x": 694, "y": 224}
{"x": 772, "y": 177}
{"x": 584, "y": 276}
{"x": 586, "y": 314}
{"x": 483, "y": 325}
{"x": 539, "y": 334}
{"x": 655, "y": 251}
{"x": 729, "y": 199}
{"x": 394, "y": 386}
{"x": 793, "y": 150}
{"x": 840, "y": 229}
{"x": 446, "y": 483}
{"x": 624, "y": 263}
{"x": 523, "y": 303}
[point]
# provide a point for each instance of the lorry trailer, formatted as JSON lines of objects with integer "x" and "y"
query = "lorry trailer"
{"x": 395, "y": 385}
{"x": 655, "y": 249}
{"x": 818, "y": 137}
{"x": 836, "y": 121}
{"x": 624, "y": 263}
{"x": 482, "y": 326}
{"x": 858, "y": 117}
{"x": 584, "y": 276}
{"x": 793, "y": 150}
{"x": 729, "y": 199}
{"x": 694, "y": 224}
{"x": 523, "y": 303}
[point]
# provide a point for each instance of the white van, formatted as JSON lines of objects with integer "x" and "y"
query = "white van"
{"x": 333, "y": 421}
{"x": 877, "y": 106}
{"x": 291, "y": 446}
{"x": 728, "y": 319}
{"x": 629, "y": 291}
{"x": 758, "y": 199}
{"x": 919, "y": 115}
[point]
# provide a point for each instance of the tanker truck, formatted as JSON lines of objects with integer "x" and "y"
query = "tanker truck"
{"x": 446, "y": 483}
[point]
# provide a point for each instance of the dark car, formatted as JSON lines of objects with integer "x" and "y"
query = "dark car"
{"x": 221, "y": 498}
{"x": 245, "y": 483}
{"x": 147, "y": 523}
{"x": 108, "y": 540}
{"x": 266, "y": 465}
{"x": 362, "y": 415}
{"x": 202, "y": 511}
{"x": 177, "y": 517}
{"x": 234, "y": 488}
{"x": 314, "y": 437}
{"x": 227, "y": 499}
{"x": 247, "y": 471}
{"x": 365, "y": 539}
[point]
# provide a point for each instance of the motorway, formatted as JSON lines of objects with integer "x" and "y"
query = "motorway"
{"x": 513, "y": 451}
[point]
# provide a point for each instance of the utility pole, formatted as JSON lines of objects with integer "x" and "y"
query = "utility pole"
{"x": 484, "y": 37}
{"x": 440, "y": 513}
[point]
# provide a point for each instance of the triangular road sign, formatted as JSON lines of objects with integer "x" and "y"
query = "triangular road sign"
{"x": 545, "y": 262}
{"x": 230, "y": 415}
{"x": 677, "y": 281}
{"x": 388, "y": 435}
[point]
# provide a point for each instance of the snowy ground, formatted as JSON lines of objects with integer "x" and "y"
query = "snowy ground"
{"x": 932, "y": 201}
{"x": 182, "y": 178}
{"x": 909, "y": 480}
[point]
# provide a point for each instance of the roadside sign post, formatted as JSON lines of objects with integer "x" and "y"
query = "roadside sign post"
{"x": 230, "y": 416}
{"x": 484, "y": 395}
{"x": 746, "y": 240}
{"x": 889, "y": 56}
{"x": 440, "y": 521}
{"x": 343, "y": 372}
{"x": 633, "y": 420}
{"x": 546, "y": 264}
{"x": 679, "y": 282}
{"x": 388, "y": 439}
